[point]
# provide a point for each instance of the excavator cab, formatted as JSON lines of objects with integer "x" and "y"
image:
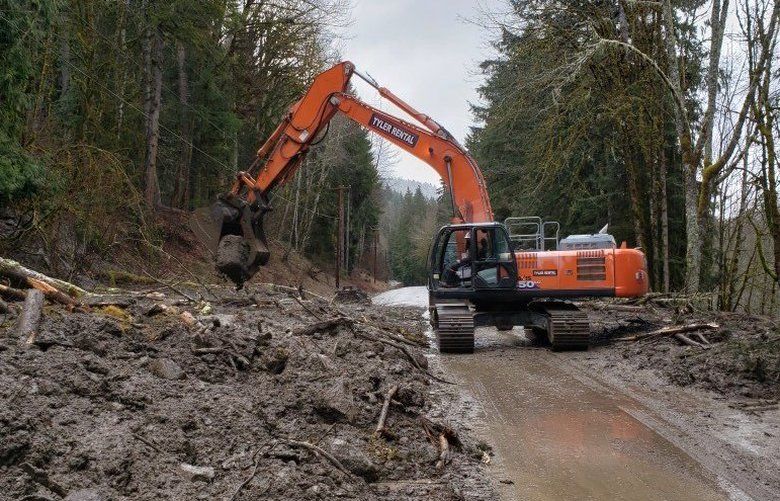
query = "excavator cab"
{"x": 472, "y": 257}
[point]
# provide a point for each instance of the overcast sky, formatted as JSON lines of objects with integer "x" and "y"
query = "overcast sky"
{"x": 426, "y": 52}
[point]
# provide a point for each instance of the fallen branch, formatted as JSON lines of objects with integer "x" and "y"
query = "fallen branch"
{"x": 686, "y": 340}
{"x": 440, "y": 436}
{"x": 30, "y": 317}
{"x": 42, "y": 478}
{"x": 405, "y": 351}
{"x": 322, "y": 453}
{"x": 174, "y": 289}
{"x": 147, "y": 442}
{"x": 670, "y": 331}
{"x": 621, "y": 307}
{"x": 313, "y": 313}
{"x": 293, "y": 290}
{"x": 12, "y": 269}
{"x": 380, "y": 427}
{"x": 444, "y": 456}
{"x": 388, "y": 327}
{"x": 256, "y": 464}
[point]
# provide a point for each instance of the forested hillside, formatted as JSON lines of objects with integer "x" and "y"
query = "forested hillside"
{"x": 115, "y": 114}
{"x": 655, "y": 117}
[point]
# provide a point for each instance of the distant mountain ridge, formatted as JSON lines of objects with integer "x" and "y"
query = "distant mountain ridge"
{"x": 400, "y": 185}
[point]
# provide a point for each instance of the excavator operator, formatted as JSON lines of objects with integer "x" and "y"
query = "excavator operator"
{"x": 460, "y": 269}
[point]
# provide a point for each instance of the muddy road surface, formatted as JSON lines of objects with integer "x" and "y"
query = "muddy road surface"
{"x": 563, "y": 426}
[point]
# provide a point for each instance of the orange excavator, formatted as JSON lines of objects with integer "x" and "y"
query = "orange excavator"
{"x": 481, "y": 272}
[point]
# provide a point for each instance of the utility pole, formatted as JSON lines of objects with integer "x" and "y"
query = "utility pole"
{"x": 376, "y": 244}
{"x": 340, "y": 238}
{"x": 347, "y": 235}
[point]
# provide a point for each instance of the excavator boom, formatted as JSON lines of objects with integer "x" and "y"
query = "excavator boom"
{"x": 233, "y": 228}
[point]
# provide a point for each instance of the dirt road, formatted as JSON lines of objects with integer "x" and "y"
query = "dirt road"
{"x": 562, "y": 431}
{"x": 557, "y": 438}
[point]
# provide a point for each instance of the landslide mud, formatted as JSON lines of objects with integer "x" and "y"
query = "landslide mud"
{"x": 180, "y": 402}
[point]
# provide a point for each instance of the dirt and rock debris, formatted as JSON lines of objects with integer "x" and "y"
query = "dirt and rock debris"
{"x": 735, "y": 355}
{"x": 254, "y": 394}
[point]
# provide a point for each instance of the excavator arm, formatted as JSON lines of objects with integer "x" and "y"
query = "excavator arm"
{"x": 235, "y": 223}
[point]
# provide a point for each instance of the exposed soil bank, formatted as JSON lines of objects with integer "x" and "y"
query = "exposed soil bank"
{"x": 213, "y": 402}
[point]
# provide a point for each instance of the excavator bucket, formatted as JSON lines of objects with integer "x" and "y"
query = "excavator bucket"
{"x": 232, "y": 230}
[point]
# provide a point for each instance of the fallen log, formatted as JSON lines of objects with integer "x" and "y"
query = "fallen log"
{"x": 30, "y": 317}
{"x": 12, "y": 269}
{"x": 11, "y": 293}
{"x": 380, "y": 427}
{"x": 670, "y": 331}
{"x": 52, "y": 293}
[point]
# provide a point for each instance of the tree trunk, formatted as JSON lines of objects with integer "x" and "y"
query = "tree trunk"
{"x": 123, "y": 79}
{"x": 655, "y": 242}
{"x": 181, "y": 191}
{"x": 152, "y": 105}
{"x": 664, "y": 221}
{"x": 693, "y": 254}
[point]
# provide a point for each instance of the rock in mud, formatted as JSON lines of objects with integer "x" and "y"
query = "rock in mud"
{"x": 351, "y": 295}
{"x": 165, "y": 368}
{"x": 204, "y": 473}
{"x": 352, "y": 455}
{"x": 276, "y": 360}
{"x": 85, "y": 495}
{"x": 337, "y": 403}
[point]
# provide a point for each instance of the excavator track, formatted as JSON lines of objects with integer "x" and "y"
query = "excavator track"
{"x": 568, "y": 327}
{"x": 454, "y": 329}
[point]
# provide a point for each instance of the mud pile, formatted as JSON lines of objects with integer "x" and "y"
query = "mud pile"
{"x": 252, "y": 395}
{"x": 741, "y": 361}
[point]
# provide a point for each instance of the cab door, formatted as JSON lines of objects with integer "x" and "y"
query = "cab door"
{"x": 494, "y": 265}
{"x": 449, "y": 263}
